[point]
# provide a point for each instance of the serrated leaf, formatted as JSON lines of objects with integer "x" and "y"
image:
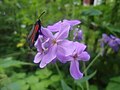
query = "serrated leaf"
{"x": 43, "y": 73}
{"x": 32, "y": 79}
{"x": 42, "y": 85}
{"x": 55, "y": 78}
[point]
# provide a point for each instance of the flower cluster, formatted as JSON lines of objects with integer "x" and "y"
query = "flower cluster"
{"x": 112, "y": 41}
{"x": 54, "y": 45}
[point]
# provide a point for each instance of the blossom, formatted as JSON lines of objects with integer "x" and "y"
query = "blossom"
{"x": 57, "y": 26}
{"x": 72, "y": 22}
{"x": 111, "y": 40}
{"x": 105, "y": 38}
{"x": 41, "y": 51}
{"x": 79, "y": 54}
{"x": 55, "y": 44}
{"x": 114, "y": 43}
{"x": 52, "y": 45}
{"x": 78, "y": 35}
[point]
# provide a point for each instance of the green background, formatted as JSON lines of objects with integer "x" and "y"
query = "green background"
{"x": 17, "y": 70}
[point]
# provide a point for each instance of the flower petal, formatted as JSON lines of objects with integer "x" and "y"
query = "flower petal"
{"x": 112, "y": 43}
{"x": 38, "y": 57}
{"x": 63, "y": 33}
{"x": 118, "y": 40}
{"x": 78, "y": 35}
{"x": 47, "y": 33}
{"x": 42, "y": 64}
{"x": 38, "y": 44}
{"x": 72, "y": 22}
{"x": 55, "y": 27}
{"x": 62, "y": 56}
{"x": 68, "y": 47}
{"x": 45, "y": 44}
{"x": 105, "y": 38}
{"x": 84, "y": 56}
{"x": 51, "y": 54}
{"x": 79, "y": 47}
{"x": 74, "y": 70}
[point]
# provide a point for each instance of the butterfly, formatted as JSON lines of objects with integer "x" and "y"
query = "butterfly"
{"x": 34, "y": 33}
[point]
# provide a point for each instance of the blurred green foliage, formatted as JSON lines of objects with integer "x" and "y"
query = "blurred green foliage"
{"x": 17, "y": 71}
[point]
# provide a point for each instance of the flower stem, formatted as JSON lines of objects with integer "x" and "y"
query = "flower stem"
{"x": 58, "y": 70}
{"x": 87, "y": 83}
{"x": 91, "y": 63}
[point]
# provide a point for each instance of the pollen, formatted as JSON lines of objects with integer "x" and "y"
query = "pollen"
{"x": 75, "y": 56}
{"x": 54, "y": 41}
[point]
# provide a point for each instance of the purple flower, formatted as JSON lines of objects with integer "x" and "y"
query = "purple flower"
{"x": 118, "y": 41}
{"x": 114, "y": 43}
{"x": 72, "y": 22}
{"x": 55, "y": 44}
{"x": 105, "y": 38}
{"x": 78, "y": 54}
{"x": 41, "y": 52}
{"x": 57, "y": 26}
{"x": 78, "y": 35}
{"x": 111, "y": 40}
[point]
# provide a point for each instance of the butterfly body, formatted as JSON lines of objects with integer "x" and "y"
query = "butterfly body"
{"x": 34, "y": 33}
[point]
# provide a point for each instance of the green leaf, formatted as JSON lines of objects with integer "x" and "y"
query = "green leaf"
{"x": 65, "y": 86}
{"x": 43, "y": 73}
{"x": 42, "y": 85}
{"x": 113, "y": 29}
{"x": 19, "y": 75}
{"x": 32, "y": 79}
{"x": 92, "y": 12}
{"x": 9, "y": 62}
{"x": 18, "y": 85}
{"x": 93, "y": 87}
{"x": 55, "y": 78}
{"x": 114, "y": 84}
{"x": 86, "y": 78}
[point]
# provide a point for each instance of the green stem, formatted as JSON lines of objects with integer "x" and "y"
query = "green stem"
{"x": 58, "y": 70}
{"x": 87, "y": 83}
{"x": 91, "y": 63}
{"x": 81, "y": 87}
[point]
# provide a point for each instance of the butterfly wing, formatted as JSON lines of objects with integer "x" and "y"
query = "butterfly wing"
{"x": 33, "y": 35}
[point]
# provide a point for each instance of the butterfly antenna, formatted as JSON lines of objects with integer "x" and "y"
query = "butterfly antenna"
{"x": 41, "y": 14}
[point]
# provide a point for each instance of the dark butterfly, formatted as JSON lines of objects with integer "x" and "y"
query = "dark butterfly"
{"x": 34, "y": 33}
